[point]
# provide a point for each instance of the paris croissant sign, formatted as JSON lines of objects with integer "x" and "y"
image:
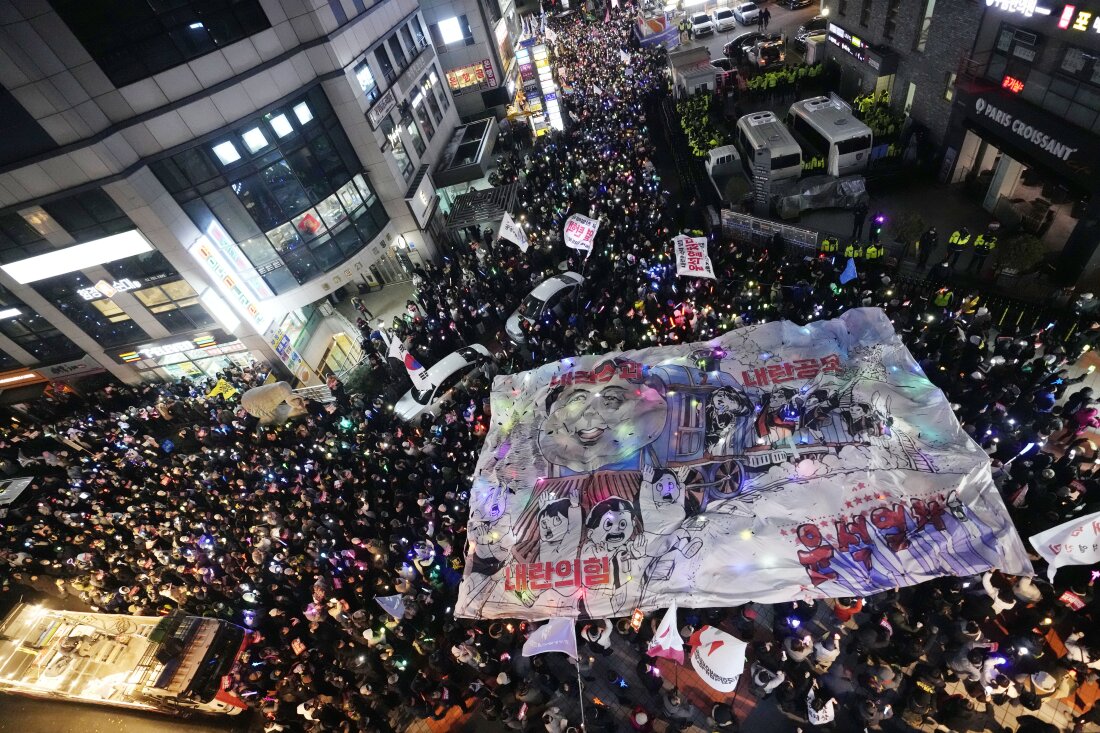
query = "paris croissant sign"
{"x": 1032, "y": 134}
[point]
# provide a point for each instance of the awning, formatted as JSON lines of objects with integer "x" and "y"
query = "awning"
{"x": 480, "y": 206}
{"x": 468, "y": 154}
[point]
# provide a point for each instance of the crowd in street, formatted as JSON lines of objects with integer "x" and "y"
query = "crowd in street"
{"x": 163, "y": 498}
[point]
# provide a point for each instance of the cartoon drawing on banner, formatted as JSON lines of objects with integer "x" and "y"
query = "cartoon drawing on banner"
{"x": 772, "y": 463}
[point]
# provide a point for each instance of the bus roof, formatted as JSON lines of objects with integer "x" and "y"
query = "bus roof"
{"x": 764, "y": 130}
{"x": 831, "y": 118}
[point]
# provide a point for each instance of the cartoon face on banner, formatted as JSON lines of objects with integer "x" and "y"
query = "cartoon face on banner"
{"x": 773, "y": 463}
{"x": 601, "y": 417}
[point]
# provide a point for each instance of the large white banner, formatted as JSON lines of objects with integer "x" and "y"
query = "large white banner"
{"x": 773, "y": 463}
{"x": 1076, "y": 542}
{"x": 580, "y": 232}
{"x": 692, "y": 259}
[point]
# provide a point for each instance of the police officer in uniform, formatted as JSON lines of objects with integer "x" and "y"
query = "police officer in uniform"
{"x": 854, "y": 250}
{"x": 983, "y": 245}
{"x": 956, "y": 245}
{"x": 927, "y": 244}
{"x": 943, "y": 298}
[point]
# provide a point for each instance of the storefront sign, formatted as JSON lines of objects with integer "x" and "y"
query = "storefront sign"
{"x": 1030, "y": 133}
{"x": 168, "y": 347}
{"x": 883, "y": 62}
{"x": 480, "y": 75}
{"x": 110, "y": 290}
{"x": 229, "y": 282}
{"x": 71, "y": 369}
{"x": 1075, "y": 19}
{"x": 381, "y": 108}
{"x": 1026, "y": 8}
{"x": 1012, "y": 84}
{"x": 422, "y": 199}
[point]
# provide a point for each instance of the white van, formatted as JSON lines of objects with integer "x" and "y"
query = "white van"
{"x": 827, "y": 127}
{"x": 766, "y": 143}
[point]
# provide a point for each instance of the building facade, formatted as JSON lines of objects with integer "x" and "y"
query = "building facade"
{"x": 475, "y": 43}
{"x": 1022, "y": 136}
{"x": 909, "y": 48}
{"x": 188, "y": 184}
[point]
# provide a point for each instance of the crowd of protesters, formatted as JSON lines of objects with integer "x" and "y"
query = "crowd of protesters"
{"x": 161, "y": 498}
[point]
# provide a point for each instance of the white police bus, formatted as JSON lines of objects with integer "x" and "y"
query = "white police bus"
{"x": 827, "y": 127}
{"x": 764, "y": 142}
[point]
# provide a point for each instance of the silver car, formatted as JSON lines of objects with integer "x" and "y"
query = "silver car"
{"x": 550, "y": 295}
{"x": 443, "y": 375}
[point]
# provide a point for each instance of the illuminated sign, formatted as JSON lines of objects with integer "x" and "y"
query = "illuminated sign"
{"x": 477, "y": 75}
{"x": 158, "y": 349}
{"x": 882, "y": 62}
{"x": 1026, "y": 8}
{"x": 1012, "y": 84}
{"x": 1032, "y": 134}
{"x": 104, "y": 288}
{"x": 1073, "y": 19}
{"x": 227, "y": 280}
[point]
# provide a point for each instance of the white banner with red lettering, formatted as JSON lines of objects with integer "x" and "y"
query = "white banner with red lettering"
{"x": 772, "y": 463}
{"x": 1076, "y": 542}
{"x": 692, "y": 259}
{"x": 580, "y": 232}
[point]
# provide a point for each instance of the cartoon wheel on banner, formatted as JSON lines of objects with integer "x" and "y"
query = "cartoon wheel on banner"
{"x": 728, "y": 477}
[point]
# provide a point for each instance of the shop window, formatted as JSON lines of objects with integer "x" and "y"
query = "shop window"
{"x": 254, "y": 140}
{"x": 33, "y": 333}
{"x": 367, "y": 83}
{"x": 451, "y": 31}
{"x": 429, "y": 96}
{"x": 398, "y": 53}
{"x": 89, "y": 215}
{"x": 175, "y": 305}
{"x": 397, "y": 147}
{"x": 281, "y": 125}
{"x": 418, "y": 31}
{"x": 949, "y": 86}
{"x": 891, "y": 26}
{"x": 18, "y": 239}
{"x": 414, "y": 135}
{"x": 130, "y": 41}
{"x": 421, "y": 113}
{"x": 105, "y": 323}
{"x": 385, "y": 64}
{"x": 925, "y": 20}
{"x": 303, "y": 113}
{"x": 407, "y": 39}
{"x": 226, "y": 152}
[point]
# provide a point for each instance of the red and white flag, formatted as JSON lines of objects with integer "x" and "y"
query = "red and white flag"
{"x": 556, "y": 635}
{"x": 718, "y": 658}
{"x": 666, "y": 640}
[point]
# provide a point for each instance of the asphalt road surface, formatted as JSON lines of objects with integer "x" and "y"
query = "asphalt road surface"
{"x": 783, "y": 21}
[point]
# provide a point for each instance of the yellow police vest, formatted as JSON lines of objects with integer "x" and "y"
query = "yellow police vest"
{"x": 943, "y": 299}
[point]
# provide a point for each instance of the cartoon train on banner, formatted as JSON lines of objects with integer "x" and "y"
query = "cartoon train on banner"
{"x": 593, "y": 495}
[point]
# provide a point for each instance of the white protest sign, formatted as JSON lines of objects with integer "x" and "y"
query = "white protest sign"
{"x": 580, "y": 232}
{"x": 692, "y": 259}
{"x": 1077, "y": 542}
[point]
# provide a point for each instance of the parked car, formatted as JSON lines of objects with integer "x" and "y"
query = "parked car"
{"x": 746, "y": 13}
{"x": 444, "y": 375}
{"x": 794, "y": 4}
{"x": 816, "y": 23}
{"x": 701, "y": 24}
{"x": 766, "y": 53}
{"x": 736, "y": 49}
{"x": 724, "y": 20}
{"x": 550, "y": 295}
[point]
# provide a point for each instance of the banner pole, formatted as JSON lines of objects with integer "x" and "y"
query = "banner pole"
{"x": 580, "y": 693}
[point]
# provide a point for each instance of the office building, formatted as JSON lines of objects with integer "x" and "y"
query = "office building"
{"x": 186, "y": 184}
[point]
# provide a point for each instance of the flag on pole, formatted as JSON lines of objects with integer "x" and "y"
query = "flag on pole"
{"x": 718, "y": 658}
{"x": 393, "y": 605}
{"x": 849, "y": 273}
{"x": 666, "y": 640}
{"x": 596, "y": 89}
{"x": 624, "y": 56}
{"x": 556, "y": 635}
{"x": 511, "y": 230}
{"x": 551, "y": 35}
{"x": 417, "y": 373}
{"x": 580, "y": 232}
{"x": 1071, "y": 543}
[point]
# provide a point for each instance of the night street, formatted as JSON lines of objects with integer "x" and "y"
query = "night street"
{"x": 424, "y": 366}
